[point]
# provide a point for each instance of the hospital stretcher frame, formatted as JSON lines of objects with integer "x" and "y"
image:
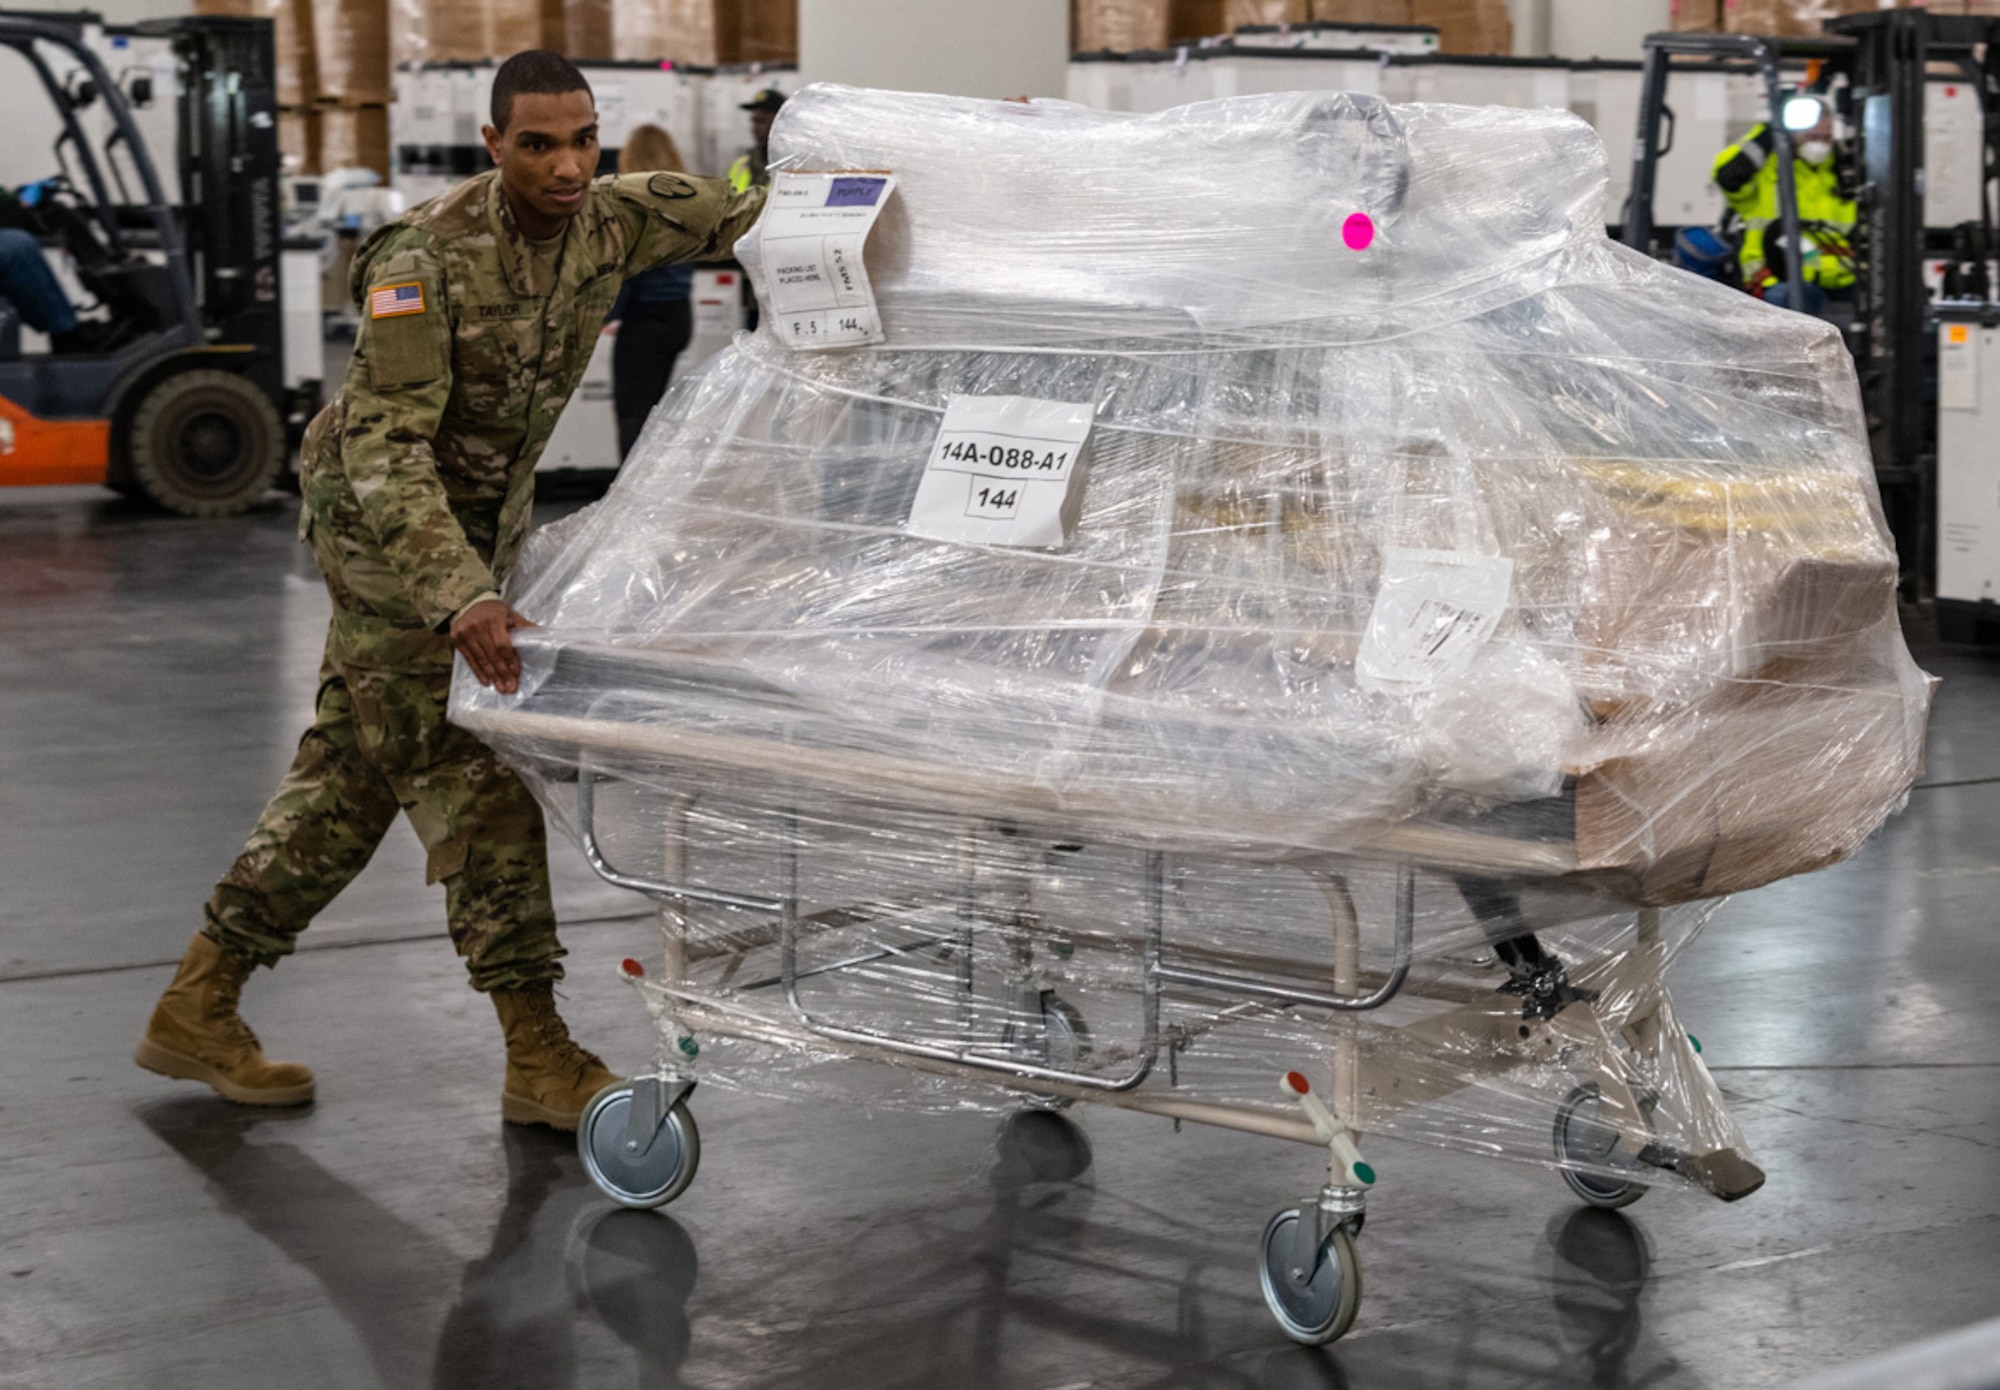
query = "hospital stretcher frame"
{"x": 640, "y": 1145}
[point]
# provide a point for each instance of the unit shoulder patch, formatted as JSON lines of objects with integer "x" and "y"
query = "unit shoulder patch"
{"x": 393, "y": 301}
{"x": 671, "y": 186}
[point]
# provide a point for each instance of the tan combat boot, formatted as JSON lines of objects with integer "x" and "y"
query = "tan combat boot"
{"x": 195, "y": 1033}
{"x": 549, "y": 1078}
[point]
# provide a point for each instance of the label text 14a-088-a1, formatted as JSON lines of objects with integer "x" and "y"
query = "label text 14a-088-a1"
{"x": 997, "y": 456}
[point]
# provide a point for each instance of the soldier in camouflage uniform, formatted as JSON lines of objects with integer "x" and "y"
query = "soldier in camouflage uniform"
{"x": 479, "y": 312}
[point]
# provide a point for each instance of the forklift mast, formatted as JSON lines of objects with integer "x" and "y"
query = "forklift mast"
{"x": 1763, "y": 56}
{"x": 229, "y": 168}
{"x": 1895, "y": 332}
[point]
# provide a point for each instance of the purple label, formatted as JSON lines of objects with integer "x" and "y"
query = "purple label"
{"x": 854, "y": 193}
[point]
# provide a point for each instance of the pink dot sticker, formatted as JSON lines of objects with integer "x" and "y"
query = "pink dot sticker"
{"x": 1358, "y": 231}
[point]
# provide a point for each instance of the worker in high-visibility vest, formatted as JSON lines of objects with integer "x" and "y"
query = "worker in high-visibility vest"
{"x": 1747, "y": 174}
{"x": 753, "y": 168}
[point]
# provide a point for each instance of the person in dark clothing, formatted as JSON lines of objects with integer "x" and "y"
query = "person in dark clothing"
{"x": 754, "y": 168}
{"x": 655, "y": 310}
{"x": 655, "y": 314}
{"x": 27, "y": 283}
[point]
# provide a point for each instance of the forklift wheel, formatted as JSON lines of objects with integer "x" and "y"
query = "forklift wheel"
{"x": 206, "y": 443}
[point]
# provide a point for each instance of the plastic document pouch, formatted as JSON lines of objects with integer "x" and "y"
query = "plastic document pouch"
{"x": 813, "y": 230}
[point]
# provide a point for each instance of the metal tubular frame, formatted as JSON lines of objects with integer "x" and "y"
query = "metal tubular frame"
{"x": 966, "y": 1054}
{"x": 586, "y": 815}
{"x": 674, "y": 1005}
{"x": 1261, "y": 987}
{"x": 1154, "y": 970}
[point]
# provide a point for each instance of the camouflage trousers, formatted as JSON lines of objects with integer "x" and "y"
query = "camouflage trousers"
{"x": 379, "y": 744}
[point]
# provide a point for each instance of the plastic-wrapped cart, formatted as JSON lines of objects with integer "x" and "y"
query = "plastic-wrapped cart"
{"x": 1271, "y": 621}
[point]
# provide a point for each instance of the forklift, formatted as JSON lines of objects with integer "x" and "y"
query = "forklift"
{"x": 1874, "y": 67}
{"x": 190, "y": 409}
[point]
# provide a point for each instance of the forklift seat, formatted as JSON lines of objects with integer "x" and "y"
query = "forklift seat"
{"x": 134, "y": 289}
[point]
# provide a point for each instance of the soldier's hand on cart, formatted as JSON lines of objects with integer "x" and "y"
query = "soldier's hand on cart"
{"x": 483, "y": 635}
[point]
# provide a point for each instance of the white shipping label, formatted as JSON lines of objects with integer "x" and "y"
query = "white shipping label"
{"x": 1958, "y": 366}
{"x": 1001, "y": 471}
{"x": 812, "y": 232}
{"x": 1433, "y": 613}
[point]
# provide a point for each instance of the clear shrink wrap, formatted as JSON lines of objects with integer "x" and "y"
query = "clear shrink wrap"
{"x": 1450, "y": 605}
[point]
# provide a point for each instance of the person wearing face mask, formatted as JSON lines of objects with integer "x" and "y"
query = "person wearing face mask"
{"x": 1747, "y": 174}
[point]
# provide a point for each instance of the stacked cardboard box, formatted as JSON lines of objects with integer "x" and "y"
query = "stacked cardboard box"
{"x": 350, "y": 40}
{"x": 465, "y": 31}
{"x": 765, "y": 31}
{"x": 1189, "y": 20}
{"x": 707, "y": 31}
{"x": 354, "y": 137}
{"x": 683, "y": 30}
{"x": 1696, "y": 16}
{"x": 1237, "y": 13}
{"x": 1127, "y": 26}
{"x": 1800, "y": 18}
{"x": 1467, "y": 26}
{"x": 320, "y": 139}
{"x": 298, "y": 139}
{"x": 1785, "y": 19}
{"x": 1362, "y": 11}
{"x": 587, "y": 28}
{"x": 1123, "y": 26}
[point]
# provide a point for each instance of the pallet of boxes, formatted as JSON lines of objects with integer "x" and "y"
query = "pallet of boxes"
{"x": 1464, "y": 26}
{"x": 335, "y": 60}
{"x": 1798, "y": 19}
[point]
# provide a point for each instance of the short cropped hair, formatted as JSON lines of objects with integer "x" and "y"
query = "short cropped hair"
{"x": 538, "y": 72}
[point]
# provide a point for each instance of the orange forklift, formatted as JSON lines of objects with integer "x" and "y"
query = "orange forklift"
{"x": 189, "y": 406}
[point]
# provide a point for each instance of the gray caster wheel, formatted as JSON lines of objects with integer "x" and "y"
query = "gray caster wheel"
{"x": 1066, "y": 1035}
{"x": 1322, "y": 1308}
{"x": 1583, "y": 1138}
{"x": 650, "y": 1179}
{"x": 1065, "y": 1043}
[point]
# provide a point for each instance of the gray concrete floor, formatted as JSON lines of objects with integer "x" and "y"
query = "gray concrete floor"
{"x": 154, "y": 675}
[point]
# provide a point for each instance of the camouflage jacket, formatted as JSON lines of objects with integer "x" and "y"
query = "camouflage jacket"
{"x": 418, "y": 476}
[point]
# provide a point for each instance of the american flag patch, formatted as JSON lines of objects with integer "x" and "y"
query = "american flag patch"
{"x": 391, "y": 300}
